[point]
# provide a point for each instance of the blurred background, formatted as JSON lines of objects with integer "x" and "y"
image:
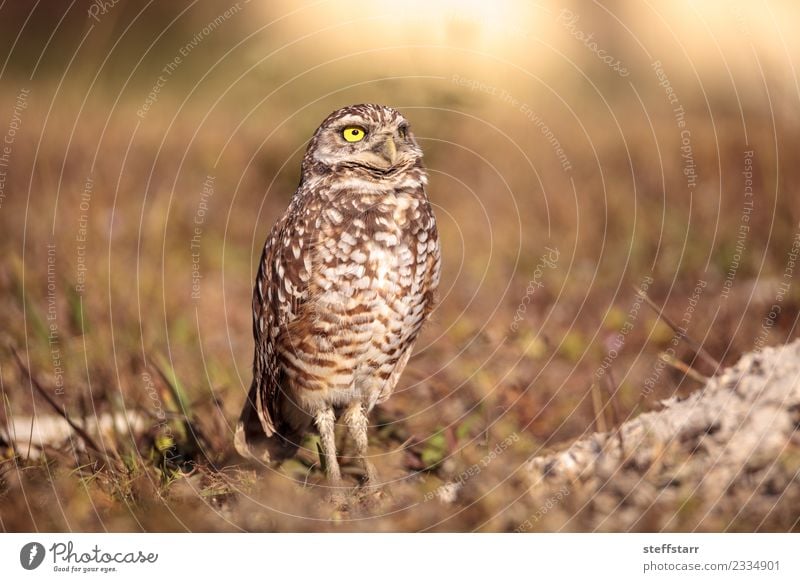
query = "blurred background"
{"x": 577, "y": 152}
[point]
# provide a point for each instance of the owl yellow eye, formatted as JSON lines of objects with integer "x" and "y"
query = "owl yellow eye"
{"x": 353, "y": 134}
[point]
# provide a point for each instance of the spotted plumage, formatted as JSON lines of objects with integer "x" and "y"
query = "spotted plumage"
{"x": 347, "y": 278}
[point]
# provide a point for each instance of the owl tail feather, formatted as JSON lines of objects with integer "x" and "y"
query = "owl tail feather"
{"x": 256, "y": 439}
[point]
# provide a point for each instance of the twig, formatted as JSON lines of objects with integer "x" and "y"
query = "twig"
{"x": 597, "y": 405}
{"x": 616, "y": 413}
{"x": 408, "y": 441}
{"x": 190, "y": 431}
{"x": 699, "y": 349}
{"x": 308, "y": 474}
{"x": 30, "y": 440}
{"x": 678, "y": 365}
{"x": 61, "y": 411}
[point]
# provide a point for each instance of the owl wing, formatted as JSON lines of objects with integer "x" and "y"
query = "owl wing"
{"x": 433, "y": 262}
{"x": 429, "y": 286}
{"x": 279, "y": 294}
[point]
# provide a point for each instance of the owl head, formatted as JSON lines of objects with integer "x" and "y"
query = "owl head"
{"x": 373, "y": 138}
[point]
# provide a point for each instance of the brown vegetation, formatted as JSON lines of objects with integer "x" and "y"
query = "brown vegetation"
{"x": 129, "y": 245}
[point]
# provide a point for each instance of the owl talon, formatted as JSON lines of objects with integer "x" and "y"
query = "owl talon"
{"x": 337, "y": 498}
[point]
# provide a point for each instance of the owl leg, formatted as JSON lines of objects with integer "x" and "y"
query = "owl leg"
{"x": 356, "y": 420}
{"x": 325, "y": 422}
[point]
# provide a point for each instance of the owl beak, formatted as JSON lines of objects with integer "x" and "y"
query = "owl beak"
{"x": 389, "y": 151}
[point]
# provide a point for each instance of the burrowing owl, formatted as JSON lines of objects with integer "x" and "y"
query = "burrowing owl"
{"x": 347, "y": 277}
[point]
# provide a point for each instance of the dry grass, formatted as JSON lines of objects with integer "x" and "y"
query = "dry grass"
{"x": 134, "y": 338}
